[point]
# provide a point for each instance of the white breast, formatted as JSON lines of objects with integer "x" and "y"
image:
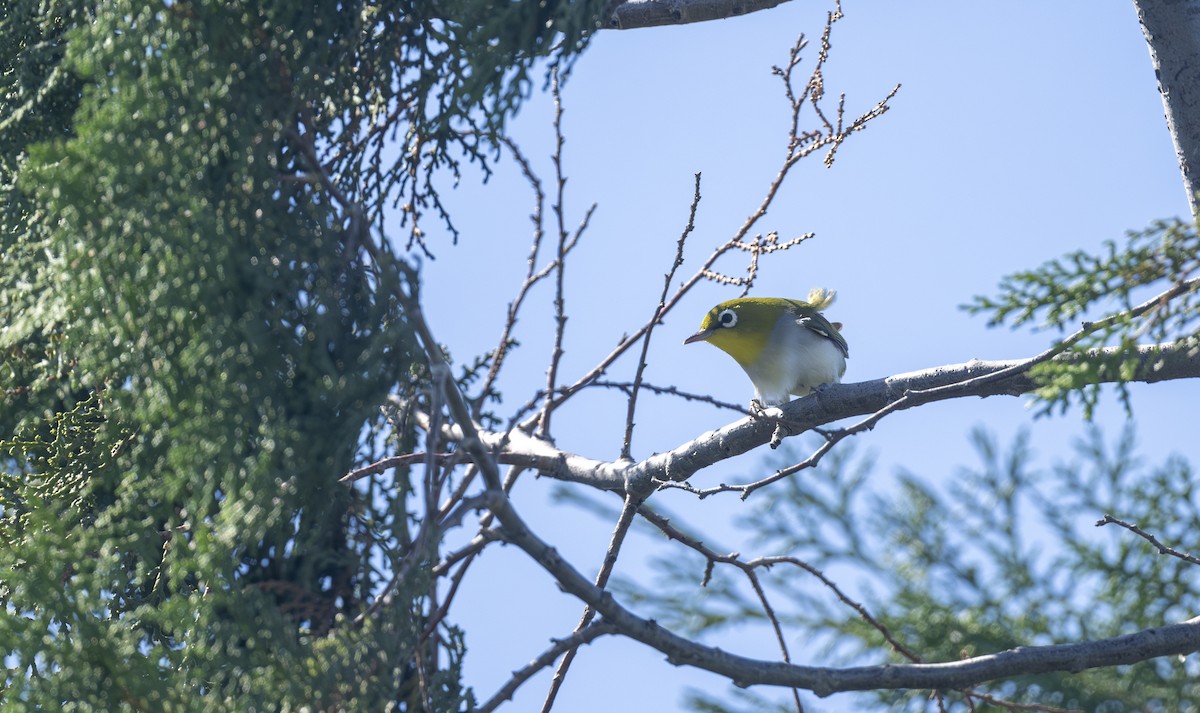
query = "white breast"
{"x": 796, "y": 361}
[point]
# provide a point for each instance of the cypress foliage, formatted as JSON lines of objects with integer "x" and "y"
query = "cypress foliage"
{"x": 196, "y": 343}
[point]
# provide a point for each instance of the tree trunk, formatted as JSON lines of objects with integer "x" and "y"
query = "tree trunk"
{"x": 1172, "y": 29}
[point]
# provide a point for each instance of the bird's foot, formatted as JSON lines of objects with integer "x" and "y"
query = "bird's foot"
{"x": 772, "y": 413}
{"x": 759, "y": 410}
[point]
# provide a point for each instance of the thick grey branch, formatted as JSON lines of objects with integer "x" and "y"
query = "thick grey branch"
{"x": 1122, "y": 650}
{"x": 834, "y": 402}
{"x": 1172, "y": 30}
{"x": 1159, "y": 362}
{"x": 654, "y": 13}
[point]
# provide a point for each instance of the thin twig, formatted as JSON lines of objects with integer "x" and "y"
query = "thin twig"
{"x": 1162, "y": 549}
{"x": 775, "y": 626}
{"x": 627, "y": 443}
{"x": 429, "y": 530}
{"x": 560, "y": 315}
{"x": 460, "y": 492}
{"x": 421, "y": 546}
{"x": 1014, "y": 706}
{"x": 486, "y": 535}
{"x": 799, "y": 146}
{"x": 627, "y": 387}
{"x": 440, "y": 370}
{"x": 388, "y": 463}
{"x": 674, "y": 533}
{"x": 532, "y": 275}
{"x": 482, "y": 539}
{"x": 547, "y": 657}
{"x": 628, "y": 510}
{"x": 439, "y": 614}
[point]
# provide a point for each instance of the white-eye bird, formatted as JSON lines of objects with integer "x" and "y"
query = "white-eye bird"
{"x": 785, "y": 346}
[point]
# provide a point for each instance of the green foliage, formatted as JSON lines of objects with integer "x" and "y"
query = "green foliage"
{"x": 1106, "y": 289}
{"x": 1007, "y": 555}
{"x": 195, "y": 348}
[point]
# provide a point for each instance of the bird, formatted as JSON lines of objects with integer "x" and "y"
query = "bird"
{"x": 786, "y": 346}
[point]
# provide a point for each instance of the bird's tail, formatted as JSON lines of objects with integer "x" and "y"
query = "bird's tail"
{"x": 820, "y": 298}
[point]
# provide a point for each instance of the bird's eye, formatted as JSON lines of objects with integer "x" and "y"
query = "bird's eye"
{"x": 727, "y": 318}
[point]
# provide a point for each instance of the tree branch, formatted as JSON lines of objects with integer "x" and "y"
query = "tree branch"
{"x": 1162, "y": 549}
{"x": 742, "y": 671}
{"x": 655, "y": 13}
{"x": 560, "y": 315}
{"x": 558, "y": 646}
{"x": 610, "y": 560}
{"x": 627, "y": 443}
{"x": 1172, "y": 31}
{"x": 1159, "y": 362}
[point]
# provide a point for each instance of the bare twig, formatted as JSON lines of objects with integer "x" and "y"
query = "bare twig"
{"x": 674, "y": 533}
{"x": 1014, "y": 706}
{"x": 627, "y": 387}
{"x": 1162, "y": 549}
{"x": 416, "y": 554}
{"x": 532, "y": 275}
{"x": 745, "y": 489}
{"x": 560, "y": 315}
{"x": 610, "y": 560}
{"x": 388, "y": 463}
{"x": 456, "y": 498}
{"x": 485, "y": 536}
{"x": 440, "y": 370}
{"x": 758, "y": 246}
{"x": 627, "y": 443}
{"x": 468, "y": 437}
{"x": 570, "y": 643}
{"x": 428, "y": 534}
{"x": 439, "y": 614}
{"x": 769, "y": 611}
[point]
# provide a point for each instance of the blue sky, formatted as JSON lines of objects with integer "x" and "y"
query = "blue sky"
{"x": 1023, "y": 130}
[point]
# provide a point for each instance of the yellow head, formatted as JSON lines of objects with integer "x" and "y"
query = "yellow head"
{"x": 786, "y": 347}
{"x": 741, "y": 327}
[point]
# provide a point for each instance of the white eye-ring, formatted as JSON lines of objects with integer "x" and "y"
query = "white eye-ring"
{"x": 727, "y": 318}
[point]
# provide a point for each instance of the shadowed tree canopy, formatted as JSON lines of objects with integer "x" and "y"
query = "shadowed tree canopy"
{"x": 195, "y": 348}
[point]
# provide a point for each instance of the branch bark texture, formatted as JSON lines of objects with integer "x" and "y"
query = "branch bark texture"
{"x": 835, "y": 402}
{"x": 637, "y": 480}
{"x": 1172, "y": 30}
{"x": 655, "y": 13}
{"x": 1150, "y": 643}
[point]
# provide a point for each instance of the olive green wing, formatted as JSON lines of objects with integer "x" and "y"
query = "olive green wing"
{"x": 814, "y": 321}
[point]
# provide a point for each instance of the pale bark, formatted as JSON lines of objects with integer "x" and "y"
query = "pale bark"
{"x": 1172, "y": 30}
{"x": 833, "y": 403}
{"x": 654, "y": 13}
{"x": 1172, "y": 639}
